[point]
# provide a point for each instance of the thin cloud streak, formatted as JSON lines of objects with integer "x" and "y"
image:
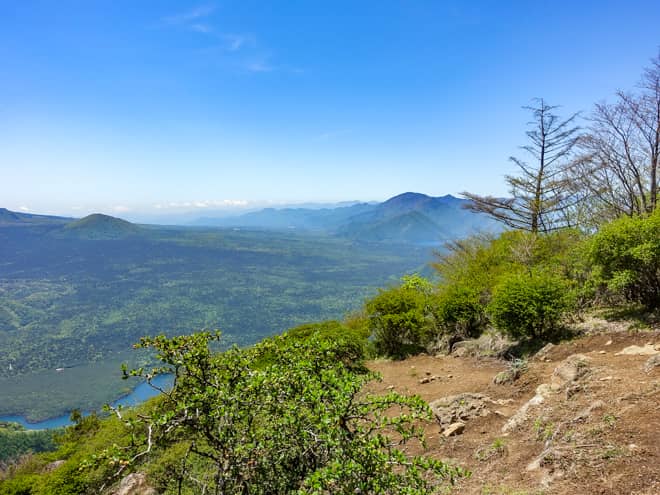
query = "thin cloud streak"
{"x": 201, "y": 204}
{"x": 258, "y": 67}
{"x": 198, "y": 12}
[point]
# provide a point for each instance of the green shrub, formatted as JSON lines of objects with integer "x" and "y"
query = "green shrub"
{"x": 19, "y": 485}
{"x": 401, "y": 320}
{"x": 350, "y": 343}
{"x": 626, "y": 253}
{"x": 529, "y": 305}
{"x": 301, "y": 424}
{"x": 460, "y": 312}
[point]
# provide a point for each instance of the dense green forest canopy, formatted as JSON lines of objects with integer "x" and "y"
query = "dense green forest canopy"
{"x": 77, "y": 298}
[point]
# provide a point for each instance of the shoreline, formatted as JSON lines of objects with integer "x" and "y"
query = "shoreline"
{"x": 140, "y": 393}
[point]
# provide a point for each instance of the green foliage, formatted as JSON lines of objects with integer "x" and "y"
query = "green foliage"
{"x": 460, "y": 311}
{"x": 627, "y": 255}
{"x": 16, "y": 441}
{"x": 401, "y": 319}
{"x": 80, "y": 304}
{"x": 351, "y": 343}
{"x": 32, "y": 475}
{"x": 506, "y": 276}
{"x": 529, "y": 305}
{"x": 298, "y": 424}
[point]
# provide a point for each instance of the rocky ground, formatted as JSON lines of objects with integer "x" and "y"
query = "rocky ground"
{"x": 581, "y": 417}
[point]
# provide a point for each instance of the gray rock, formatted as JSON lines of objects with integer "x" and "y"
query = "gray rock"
{"x": 454, "y": 429}
{"x": 460, "y": 407}
{"x": 134, "y": 484}
{"x": 543, "y": 353}
{"x": 651, "y": 363}
{"x": 52, "y": 466}
{"x": 586, "y": 412}
{"x": 570, "y": 370}
{"x": 522, "y": 414}
{"x": 635, "y": 350}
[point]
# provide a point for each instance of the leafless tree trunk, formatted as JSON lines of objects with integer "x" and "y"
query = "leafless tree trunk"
{"x": 540, "y": 193}
{"x": 620, "y": 153}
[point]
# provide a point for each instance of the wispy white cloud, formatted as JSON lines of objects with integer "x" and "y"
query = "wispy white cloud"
{"x": 258, "y": 66}
{"x": 240, "y": 49}
{"x": 189, "y": 16}
{"x": 201, "y": 204}
{"x": 234, "y": 42}
{"x": 201, "y": 28}
{"x": 120, "y": 208}
{"x": 24, "y": 208}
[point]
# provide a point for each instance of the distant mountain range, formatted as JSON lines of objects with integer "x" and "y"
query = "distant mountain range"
{"x": 409, "y": 217}
{"x": 8, "y": 217}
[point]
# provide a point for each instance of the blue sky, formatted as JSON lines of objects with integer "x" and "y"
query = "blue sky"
{"x": 130, "y": 107}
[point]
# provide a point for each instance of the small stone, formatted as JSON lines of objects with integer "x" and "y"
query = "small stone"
{"x": 450, "y": 376}
{"x": 651, "y": 363}
{"x": 602, "y": 352}
{"x": 52, "y": 466}
{"x": 585, "y": 413}
{"x": 454, "y": 429}
{"x": 606, "y": 379}
{"x": 391, "y": 387}
{"x": 635, "y": 350}
{"x": 426, "y": 379}
{"x": 427, "y": 373}
{"x": 609, "y": 342}
{"x": 543, "y": 353}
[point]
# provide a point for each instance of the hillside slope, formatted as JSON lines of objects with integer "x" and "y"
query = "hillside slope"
{"x": 14, "y": 218}
{"x": 100, "y": 227}
{"x": 595, "y": 428}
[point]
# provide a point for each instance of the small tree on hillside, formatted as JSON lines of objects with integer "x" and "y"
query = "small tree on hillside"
{"x": 540, "y": 197}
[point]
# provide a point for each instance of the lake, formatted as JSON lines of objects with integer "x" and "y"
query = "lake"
{"x": 139, "y": 394}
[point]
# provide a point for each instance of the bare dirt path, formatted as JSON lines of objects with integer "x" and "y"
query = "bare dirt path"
{"x": 598, "y": 433}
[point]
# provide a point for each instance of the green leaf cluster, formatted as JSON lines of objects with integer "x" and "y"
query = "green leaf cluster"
{"x": 288, "y": 415}
{"x": 529, "y": 305}
{"x": 626, "y": 254}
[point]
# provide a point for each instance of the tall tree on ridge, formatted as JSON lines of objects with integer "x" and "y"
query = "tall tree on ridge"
{"x": 540, "y": 196}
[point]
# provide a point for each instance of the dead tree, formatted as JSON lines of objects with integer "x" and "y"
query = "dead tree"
{"x": 620, "y": 153}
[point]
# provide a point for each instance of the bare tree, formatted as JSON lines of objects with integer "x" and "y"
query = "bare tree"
{"x": 540, "y": 196}
{"x": 620, "y": 153}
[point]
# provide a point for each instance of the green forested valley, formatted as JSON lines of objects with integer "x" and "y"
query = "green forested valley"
{"x": 76, "y": 298}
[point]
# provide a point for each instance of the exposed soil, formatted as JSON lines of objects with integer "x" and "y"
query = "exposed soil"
{"x": 597, "y": 434}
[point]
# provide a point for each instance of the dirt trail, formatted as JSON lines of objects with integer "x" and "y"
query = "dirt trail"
{"x": 594, "y": 430}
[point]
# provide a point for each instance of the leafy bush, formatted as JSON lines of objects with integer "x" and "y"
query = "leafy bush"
{"x": 627, "y": 255}
{"x": 300, "y": 424}
{"x": 401, "y": 320}
{"x": 529, "y": 305}
{"x": 460, "y": 311}
{"x": 350, "y": 343}
{"x": 16, "y": 441}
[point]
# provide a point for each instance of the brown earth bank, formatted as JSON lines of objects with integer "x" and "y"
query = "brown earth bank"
{"x": 582, "y": 419}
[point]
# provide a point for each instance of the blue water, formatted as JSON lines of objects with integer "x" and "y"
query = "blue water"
{"x": 139, "y": 394}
